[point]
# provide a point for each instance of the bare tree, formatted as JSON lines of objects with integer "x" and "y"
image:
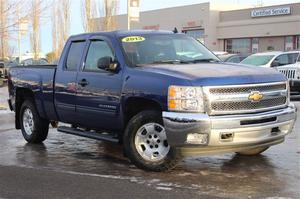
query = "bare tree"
{"x": 35, "y": 23}
{"x": 9, "y": 23}
{"x": 60, "y": 25}
{"x": 88, "y": 12}
{"x": 3, "y": 25}
{"x": 110, "y": 11}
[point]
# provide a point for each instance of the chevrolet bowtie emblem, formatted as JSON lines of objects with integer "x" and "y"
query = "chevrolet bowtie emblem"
{"x": 255, "y": 96}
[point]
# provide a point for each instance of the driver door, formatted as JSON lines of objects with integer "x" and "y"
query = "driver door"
{"x": 99, "y": 91}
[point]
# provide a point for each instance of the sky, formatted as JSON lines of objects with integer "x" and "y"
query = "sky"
{"x": 76, "y": 25}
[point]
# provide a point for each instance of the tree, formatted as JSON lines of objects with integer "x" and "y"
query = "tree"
{"x": 3, "y": 28}
{"x": 110, "y": 11}
{"x": 88, "y": 12}
{"x": 9, "y": 23}
{"x": 35, "y": 23}
{"x": 107, "y": 10}
{"x": 60, "y": 25}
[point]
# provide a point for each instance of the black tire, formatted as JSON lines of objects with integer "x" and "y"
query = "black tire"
{"x": 253, "y": 152}
{"x": 142, "y": 118}
{"x": 40, "y": 126}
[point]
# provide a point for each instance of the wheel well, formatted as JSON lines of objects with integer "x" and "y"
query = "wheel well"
{"x": 135, "y": 105}
{"x": 22, "y": 94}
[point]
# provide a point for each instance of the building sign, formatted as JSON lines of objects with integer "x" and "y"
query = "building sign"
{"x": 134, "y": 10}
{"x": 271, "y": 12}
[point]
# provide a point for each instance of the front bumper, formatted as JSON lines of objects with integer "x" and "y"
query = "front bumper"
{"x": 247, "y": 130}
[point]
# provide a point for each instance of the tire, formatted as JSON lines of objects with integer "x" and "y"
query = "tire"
{"x": 162, "y": 156}
{"x": 253, "y": 152}
{"x": 33, "y": 127}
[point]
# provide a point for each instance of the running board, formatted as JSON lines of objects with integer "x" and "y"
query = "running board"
{"x": 88, "y": 134}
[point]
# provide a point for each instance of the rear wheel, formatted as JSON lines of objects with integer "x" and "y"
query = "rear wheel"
{"x": 34, "y": 128}
{"x": 146, "y": 144}
{"x": 253, "y": 152}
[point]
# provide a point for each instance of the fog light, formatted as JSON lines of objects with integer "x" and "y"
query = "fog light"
{"x": 197, "y": 138}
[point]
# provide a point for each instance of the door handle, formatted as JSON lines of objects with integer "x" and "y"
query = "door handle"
{"x": 83, "y": 83}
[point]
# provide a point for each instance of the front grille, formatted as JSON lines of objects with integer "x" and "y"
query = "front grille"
{"x": 247, "y": 105}
{"x": 289, "y": 73}
{"x": 247, "y": 89}
{"x": 236, "y": 99}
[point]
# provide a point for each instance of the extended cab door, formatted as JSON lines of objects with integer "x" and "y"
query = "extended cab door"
{"x": 65, "y": 81}
{"x": 98, "y": 94}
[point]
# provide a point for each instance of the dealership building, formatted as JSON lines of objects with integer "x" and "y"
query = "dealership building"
{"x": 246, "y": 30}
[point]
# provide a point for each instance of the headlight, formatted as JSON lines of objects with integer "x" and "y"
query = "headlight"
{"x": 185, "y": 98}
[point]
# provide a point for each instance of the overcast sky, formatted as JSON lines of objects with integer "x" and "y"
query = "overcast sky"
{"x": 76, "y": 27}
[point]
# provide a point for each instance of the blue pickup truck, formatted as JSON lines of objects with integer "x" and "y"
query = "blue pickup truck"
{"x": 161, "y": 95}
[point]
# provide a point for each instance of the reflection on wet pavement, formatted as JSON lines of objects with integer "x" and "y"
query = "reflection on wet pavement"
{"x": 273, "y": 174}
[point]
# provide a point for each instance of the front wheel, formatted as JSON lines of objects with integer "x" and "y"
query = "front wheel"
{"x": 146, "y": 144}
{"x": 34, "y": 128}
{"x": 253, "y": 152}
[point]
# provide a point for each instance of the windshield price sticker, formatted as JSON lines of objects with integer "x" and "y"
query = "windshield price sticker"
{"x": 133, "y": 39}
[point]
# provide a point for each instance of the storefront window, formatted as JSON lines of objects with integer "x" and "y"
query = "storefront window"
{"x": 255, "y": 42}
{"x": 238, "y": 46}
{"x": 197, "y": 34}
{"x": 289, "y": 43}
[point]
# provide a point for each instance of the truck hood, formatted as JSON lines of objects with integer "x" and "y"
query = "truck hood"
{"x": 209, "y": 74}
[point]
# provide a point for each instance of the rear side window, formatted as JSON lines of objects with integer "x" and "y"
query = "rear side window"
{"x": 74, "y": 55}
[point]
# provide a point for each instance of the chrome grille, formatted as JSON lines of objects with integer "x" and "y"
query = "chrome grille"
{"x": 247, "y": 89}
{"x": 234, "y": 99}
{"x": 289, "y": 73}
{"x": 247, "y": 105}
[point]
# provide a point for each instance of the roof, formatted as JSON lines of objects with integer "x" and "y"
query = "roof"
{"x": 122, "y": 33}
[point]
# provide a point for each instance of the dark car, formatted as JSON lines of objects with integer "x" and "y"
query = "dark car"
{"x": 233, "y": 58}
{"x": 4, "y": 67}
{"x": 159, "y": 94}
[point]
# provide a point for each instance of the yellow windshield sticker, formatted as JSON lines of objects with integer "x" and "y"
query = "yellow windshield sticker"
{"x": 133, "y": 39}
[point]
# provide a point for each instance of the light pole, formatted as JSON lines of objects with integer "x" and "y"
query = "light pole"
{"x": 128, "y": 14}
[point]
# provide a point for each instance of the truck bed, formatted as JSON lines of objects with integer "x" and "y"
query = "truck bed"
{"x": 40, "y": 80}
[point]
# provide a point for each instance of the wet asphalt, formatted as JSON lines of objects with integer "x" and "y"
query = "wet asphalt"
{"x": 67, "y": 166}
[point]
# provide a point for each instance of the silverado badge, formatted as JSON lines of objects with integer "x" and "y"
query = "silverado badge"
{"x": 255, "y": 96}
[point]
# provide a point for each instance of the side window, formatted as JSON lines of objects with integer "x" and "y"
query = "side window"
{"x": 74, "y": 55}
{"x": 298, "y": 58}
{"x": 97, "y": 50}
{"x": 293, "y": 58}
{"x": 282, "y": 60}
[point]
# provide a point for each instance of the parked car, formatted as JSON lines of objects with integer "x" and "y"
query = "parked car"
{"x": 4, "y": 67}
{"x": 32, "y": 61}
{"x": 220, "y": 53}
{"x": 158, "y": 99}
{"x": 292, "y": 72}
{"x": 1, "y": 69}
{"x": 272, "y": 59}
{"x": 233, "y": 58}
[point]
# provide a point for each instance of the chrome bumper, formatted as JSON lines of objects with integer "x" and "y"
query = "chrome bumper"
{"x": 247, "y": 130}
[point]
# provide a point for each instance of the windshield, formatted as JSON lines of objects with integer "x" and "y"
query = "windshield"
{"x": 257, "y": 60}
{"x": 165, "y": 49}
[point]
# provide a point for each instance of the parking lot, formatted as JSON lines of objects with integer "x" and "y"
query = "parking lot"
{"x": 66, "y": 166}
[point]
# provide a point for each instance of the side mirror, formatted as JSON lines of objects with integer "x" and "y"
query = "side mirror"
{"x": 1, "y": 65}
{"x": 107, "y": 63}
{"x": 275, "y": 63}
